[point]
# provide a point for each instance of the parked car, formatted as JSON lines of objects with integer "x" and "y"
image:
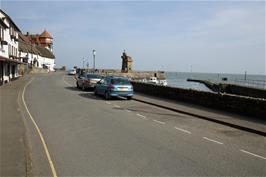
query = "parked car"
{"x": 72, "y": 72}
{"x": 113, "y": 87}
{"x": 88, "y": 81}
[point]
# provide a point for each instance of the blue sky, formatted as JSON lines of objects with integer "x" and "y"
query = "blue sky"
{"x": 209, "y": 36}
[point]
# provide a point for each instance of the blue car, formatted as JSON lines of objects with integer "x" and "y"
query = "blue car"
{"x": 113, "y": 87}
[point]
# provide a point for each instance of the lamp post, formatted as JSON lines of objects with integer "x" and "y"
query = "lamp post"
{"x": 83, "y": 63}
{"x": 94, "y": 54}
{"x": 88, "y": 65}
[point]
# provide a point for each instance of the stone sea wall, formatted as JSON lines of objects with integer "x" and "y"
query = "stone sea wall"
{"x": 233, "y": 103}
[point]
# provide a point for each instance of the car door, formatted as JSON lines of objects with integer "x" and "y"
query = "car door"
{"x": 103, "y": 86}
{"x": 81, "y": 80}
{"x": 99, "y": 86}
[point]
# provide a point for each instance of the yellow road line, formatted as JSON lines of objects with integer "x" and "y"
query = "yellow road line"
{"x": 39, "y": 132}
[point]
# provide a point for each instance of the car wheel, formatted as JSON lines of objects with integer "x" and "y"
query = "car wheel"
{"x": 95, "y": 92}
{"x": 129, "y": 97}
{"x": 106, "y": 96}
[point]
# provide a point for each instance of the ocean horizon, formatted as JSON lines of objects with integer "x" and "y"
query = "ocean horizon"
{"x": 179, "y": 79}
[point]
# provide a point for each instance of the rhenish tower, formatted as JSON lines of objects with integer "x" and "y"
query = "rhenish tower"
{"x": 126, "y": 63}
{"x": 46, "y": 40}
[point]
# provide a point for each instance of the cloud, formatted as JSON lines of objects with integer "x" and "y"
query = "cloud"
{"x": 168, "y": 35}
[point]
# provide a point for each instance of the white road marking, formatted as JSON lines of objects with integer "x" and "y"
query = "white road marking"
{"x": 158, "y": 121}
{"x": 66, "y": 82}
{"x": 107, "y": 102}
{"x": 117, "y": 106}
{"x": 142, "y": 116}
{"x": 253, "y": 154}
{"x": 39, "y": 132}
{"x": 183, "y": 130}
{"x": 212, "y": 140}
{"x": 128, "y": 110}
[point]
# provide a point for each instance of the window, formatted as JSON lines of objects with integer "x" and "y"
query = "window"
{"x": 120, "y": 81}
{"x": 1, "y": 33}
{"x": 9, "y": 49}
{"x": 94, "y": 76}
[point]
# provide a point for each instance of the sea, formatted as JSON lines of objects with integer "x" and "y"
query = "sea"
{"x": 179, "y": 79}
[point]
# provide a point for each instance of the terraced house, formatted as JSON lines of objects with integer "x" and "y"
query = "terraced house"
{"x": 36, "y": 50}
{"x": 9, "y": 54}
{"x": 21, "y": 53}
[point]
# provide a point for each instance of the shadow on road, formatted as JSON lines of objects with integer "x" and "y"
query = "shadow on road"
{"x": 77, "y": 89}
{"x": 90, "y": 95}
{"x": 72, "y": 88}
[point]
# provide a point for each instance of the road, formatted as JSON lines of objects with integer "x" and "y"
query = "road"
{"x": 88, "y": 136}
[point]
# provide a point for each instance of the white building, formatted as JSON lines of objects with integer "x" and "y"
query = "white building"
{"x": 37, "y": 50}
{"x": 9, "y": 55}
{"x": 35, "y": 54}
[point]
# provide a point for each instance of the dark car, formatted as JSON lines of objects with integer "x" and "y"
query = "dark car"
{"x": 88, "y": 81}
{"x": 113, "y": 87}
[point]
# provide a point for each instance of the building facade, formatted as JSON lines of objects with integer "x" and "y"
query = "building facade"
{"x": 19, "y": 52}
{"x": 9, "y": 55}
{"x": 127, "y": 63}
{"x": 38, "y": 49}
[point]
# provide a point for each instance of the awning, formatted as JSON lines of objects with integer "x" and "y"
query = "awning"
{"x": 10, "y": 60}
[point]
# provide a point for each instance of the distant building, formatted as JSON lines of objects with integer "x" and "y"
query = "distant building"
{"x": 126, "y": 63}
{"x": 44, "y": 40}
{"x": 9, "y": 55}
{"x": 37, "y": 50}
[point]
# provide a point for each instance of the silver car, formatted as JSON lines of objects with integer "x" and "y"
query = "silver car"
{"x": 88, "y": 81}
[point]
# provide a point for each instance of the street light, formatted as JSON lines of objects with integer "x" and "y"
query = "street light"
{"x": 83, "y": 62}
{"x": 94, "y": 54}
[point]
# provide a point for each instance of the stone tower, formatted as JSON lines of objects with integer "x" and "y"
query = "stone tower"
{"x": 46, "y": 40}
{"x": 126, "y": 63}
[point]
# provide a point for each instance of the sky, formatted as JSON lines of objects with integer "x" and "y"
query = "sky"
{"x": 183, "y": 36}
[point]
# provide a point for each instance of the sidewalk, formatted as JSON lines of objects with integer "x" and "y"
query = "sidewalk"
{"x": 249, "y": 124}
{"x": 13, "y": 157}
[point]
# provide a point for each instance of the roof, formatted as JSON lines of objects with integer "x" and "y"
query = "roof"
{"x": 45, "y": 52}
{"x": 11, "y": 21}
{"x": 45, "y": 34}
{"x": 34, "y": 38}
{"x": 26, "y": 46}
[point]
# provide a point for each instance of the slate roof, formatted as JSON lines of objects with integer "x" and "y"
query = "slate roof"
{"x": 45, "y": 52}
{"x": 24, "y": 45}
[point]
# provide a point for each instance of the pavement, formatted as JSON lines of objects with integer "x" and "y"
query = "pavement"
{"x": 13, "y": 140}
{"x": 86, "y": 135}
{"x": 250, "y": 124}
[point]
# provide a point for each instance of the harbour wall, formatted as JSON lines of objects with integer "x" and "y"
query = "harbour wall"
{"x": 134, "y": 75}
{"x": 249, "y": 106}
{"x": 245, "y": 91}
{"x": 232, "y": 89}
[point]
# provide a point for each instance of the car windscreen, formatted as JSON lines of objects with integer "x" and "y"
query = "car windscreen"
{"x": 93, "y": 76}
{"x": 120, "y": 81}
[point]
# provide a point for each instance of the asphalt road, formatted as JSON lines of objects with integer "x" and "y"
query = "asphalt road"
{"x": 88, "y": 136}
